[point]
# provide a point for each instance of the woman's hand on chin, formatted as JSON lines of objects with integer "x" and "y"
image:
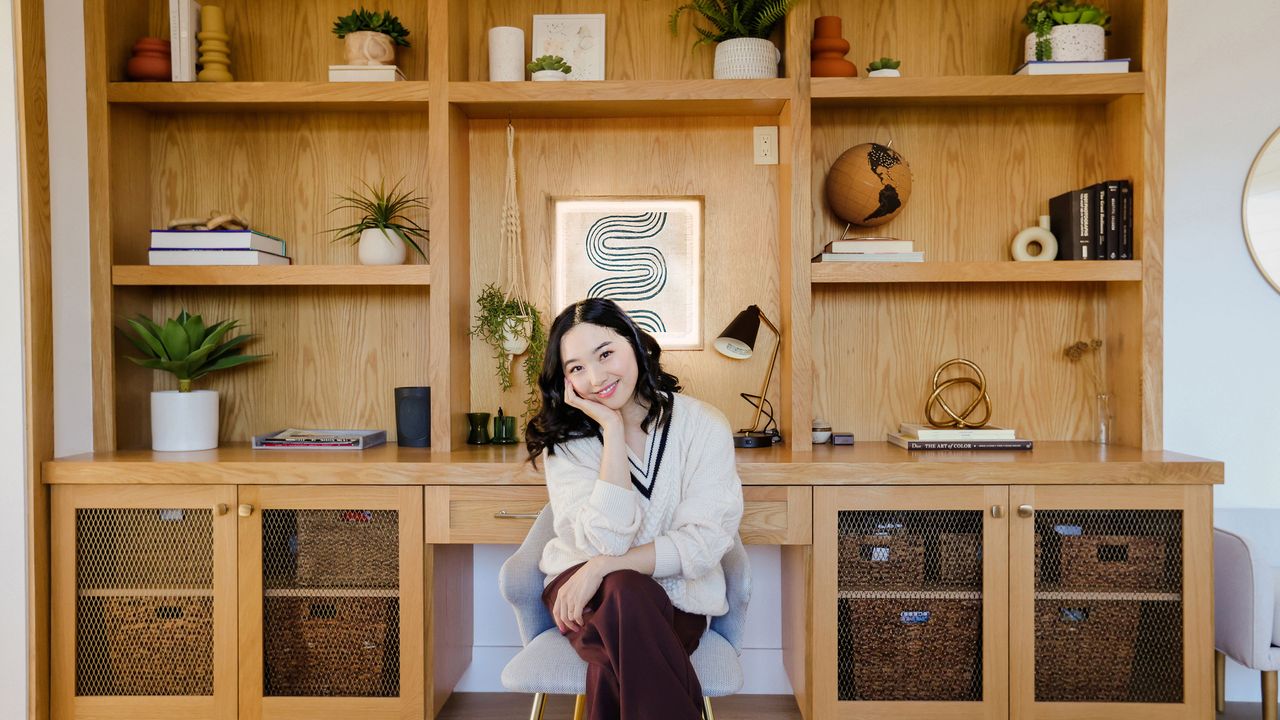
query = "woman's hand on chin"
{"x": 606, "y": 417}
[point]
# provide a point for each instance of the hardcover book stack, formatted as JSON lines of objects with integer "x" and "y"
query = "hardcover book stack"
{"x": 1095, "y": 222}
{"x": 869, "y": 250}
{"x": 913, "y": 436}
{"x": 216, "y": 247}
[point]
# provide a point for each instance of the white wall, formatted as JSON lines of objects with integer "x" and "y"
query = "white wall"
{"x": 1221, "y": 342}
{"x": 1221, "y": 388}
{"x": 13, "y": 478}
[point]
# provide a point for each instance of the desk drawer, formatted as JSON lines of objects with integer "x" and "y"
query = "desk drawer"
{"x": 503, "y": 515}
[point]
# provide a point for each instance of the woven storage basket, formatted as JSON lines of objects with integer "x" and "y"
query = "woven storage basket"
{"x": 881, "y": 562}
{"x": 332, "y": 646}
{"x": 1114, "y": 562}
{"x": 348, "y": 548}
{"x": 960, "y": 560}
{"x": 1085, "y": 649}
{"x": 157, "y": 645}
{"x": 905, "y": 649}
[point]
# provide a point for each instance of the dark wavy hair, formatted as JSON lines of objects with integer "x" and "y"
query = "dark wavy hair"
{"x": 557, "y": 421}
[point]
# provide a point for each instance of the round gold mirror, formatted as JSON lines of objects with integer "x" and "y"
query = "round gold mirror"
{"x": 1261, "y": 210}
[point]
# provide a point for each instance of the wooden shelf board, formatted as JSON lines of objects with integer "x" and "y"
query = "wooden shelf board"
{"x": 909, "y": 594}
{"x": 620, "y": 98}
{"x": 976, "y": 89}
{"x": 1146, "y": 596}
{"x": 332, "y": 592}
{"x": 866, "y": 463}
{"x": 967, "y": 272}
{"x": 271, "y": 275}
{"x": 270, "y": 96}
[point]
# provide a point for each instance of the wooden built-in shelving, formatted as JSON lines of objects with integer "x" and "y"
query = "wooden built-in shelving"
{"x": 976, "y": 272}
{"x": 230, "y": 275}
{"x": 976, "y": 89}
{"x": 621, "y": 98}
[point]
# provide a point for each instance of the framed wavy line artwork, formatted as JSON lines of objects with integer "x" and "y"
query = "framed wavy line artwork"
{"x": 644, "y": 253}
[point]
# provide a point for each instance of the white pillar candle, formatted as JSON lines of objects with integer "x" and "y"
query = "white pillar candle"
{"x": 506, "y": 54}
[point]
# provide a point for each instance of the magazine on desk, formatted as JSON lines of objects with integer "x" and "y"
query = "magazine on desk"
{"x": 293, "y": 438}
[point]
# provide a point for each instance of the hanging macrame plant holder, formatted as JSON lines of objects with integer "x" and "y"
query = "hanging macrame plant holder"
{"x": 516, "y": 333}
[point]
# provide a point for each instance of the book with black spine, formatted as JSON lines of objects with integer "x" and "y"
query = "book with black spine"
{"x": 1099, "y": 197}
{"x": 1070, "y": 221}
{"x": 909, "y": 443}
{"x": 1113, "y": 220}
{"x": 1126, "y": 223}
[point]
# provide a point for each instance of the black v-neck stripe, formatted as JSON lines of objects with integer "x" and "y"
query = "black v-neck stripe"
{"x": 657, "y": 464}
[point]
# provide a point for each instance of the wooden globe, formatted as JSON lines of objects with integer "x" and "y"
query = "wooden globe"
{"x": 868, "y": 185}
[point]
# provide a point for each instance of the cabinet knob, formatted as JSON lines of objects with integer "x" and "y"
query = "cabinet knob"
{"x": 246, "y": 510}
{"x": 997, "y": 511}
{"x": 222, "y": 509}
{"x": 1026, "y": 511}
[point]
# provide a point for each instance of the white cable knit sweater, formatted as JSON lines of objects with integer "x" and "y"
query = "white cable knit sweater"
{"x": 692, "y": 515}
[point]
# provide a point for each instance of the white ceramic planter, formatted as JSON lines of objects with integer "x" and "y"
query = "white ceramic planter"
{"x": 184, "y": 420}
{"x": 549, "y": 75}
{"x": 506, "y": 54}
{"x": 370, "y": 48}
{"x": 513, "y": 343}
{"x": 380, "y": 247}
{"x": 746, "y": 58}
{"x": 1072, "y": 43}
{"x": 884, "y": 73}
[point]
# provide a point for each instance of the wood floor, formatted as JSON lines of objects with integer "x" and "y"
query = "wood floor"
{"x": 505, "y": 706}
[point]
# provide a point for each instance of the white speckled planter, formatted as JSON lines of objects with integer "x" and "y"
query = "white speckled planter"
{"x": 886, "y": 72}
{"x": 1072, "y": 43}
{"x": 746, "y": 58}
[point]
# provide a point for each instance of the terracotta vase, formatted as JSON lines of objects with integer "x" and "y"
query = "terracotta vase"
{"x": 828, "y": 50}
{"x": 150, "y": 60}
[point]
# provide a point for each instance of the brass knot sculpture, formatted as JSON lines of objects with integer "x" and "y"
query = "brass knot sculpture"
{"x": 961, "y": 419}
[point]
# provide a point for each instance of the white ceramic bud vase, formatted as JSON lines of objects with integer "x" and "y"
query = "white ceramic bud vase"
{"x": 506, "y": 54}
{"x": 380, "y": 247}
{"x": 1071, "y": 43}
{"x": 515, "y": 334}
{"x": 184, "y": 420}
{"x": 746, "y": 59}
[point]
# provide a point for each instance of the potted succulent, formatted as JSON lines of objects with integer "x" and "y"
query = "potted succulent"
{"x": 186, "y": 419}
{"x": 740, "y": 29}
{"x": 383, "y": 229}
{"x": 549, "y": 67}
{"x": 884, "y": 67}
{"x": 511, "y": 326}
{"x": 1065, "y": 31}
{"x": 371, "y": 37}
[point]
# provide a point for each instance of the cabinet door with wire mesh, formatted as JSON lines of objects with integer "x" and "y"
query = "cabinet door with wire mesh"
{"x": 1110, "y": 612}
{"x": 143, "y": 584}
{"x": 331, "y": 614}
{"x": 910, "y": 600}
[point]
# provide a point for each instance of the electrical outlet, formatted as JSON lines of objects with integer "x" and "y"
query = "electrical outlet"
{"x": 766, "y": 145}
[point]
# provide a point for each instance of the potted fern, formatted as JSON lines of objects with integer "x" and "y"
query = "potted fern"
{"x": 549, "y": 67}
{"x": 383, "y": 230}
{"x": 740, "y": 30}
{"x": 510, "y": 326}
{"x": 186, "y": 419}
{"x": 371, "y": 37}
{"x": 1065, "y": 31}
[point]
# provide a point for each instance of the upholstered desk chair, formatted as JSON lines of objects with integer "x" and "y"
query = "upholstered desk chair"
{"x": 548, "y": 664}
{"x": 1246, "y": 612}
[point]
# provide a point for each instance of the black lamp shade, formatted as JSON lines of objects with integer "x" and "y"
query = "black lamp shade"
{"x": 738, "y": 339}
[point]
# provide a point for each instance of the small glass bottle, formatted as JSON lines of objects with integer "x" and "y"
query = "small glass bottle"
{"x": 1103, "y": 418}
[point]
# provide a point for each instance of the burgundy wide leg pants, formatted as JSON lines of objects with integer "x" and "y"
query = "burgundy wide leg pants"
{"x": 637, "y": 647}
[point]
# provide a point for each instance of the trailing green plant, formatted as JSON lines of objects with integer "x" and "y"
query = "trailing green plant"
{"x": 384, "y": 210}
{"x": 550, "y": 62}
{"x": 1043, "y": 15}
{"x": 187, "y": 348}
{"x": 496, "y": 308}
{"x": 730, "y": 19}
{"x": 380, "y": 22}
{"x": 884, "y": 63}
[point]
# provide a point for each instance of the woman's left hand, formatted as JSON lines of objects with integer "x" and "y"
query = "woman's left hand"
{"x": 573, "y": 596}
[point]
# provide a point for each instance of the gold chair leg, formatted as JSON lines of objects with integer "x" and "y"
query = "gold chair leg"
{"x": 539, "y": 704}
{"x": 1269, "y": 695}
{"x": 580, "y": 707}
{"x": 1220, "y": 681}
{"x": 706, "y": 709}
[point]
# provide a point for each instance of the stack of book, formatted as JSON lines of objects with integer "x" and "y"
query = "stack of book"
{"x": 1095, "y": 222}
{"x": 216, "y": 247}
{"x": 184, "y": 23}
{"x": 869, "y": 250}
{"x": 913, "y": 436}
{"x": 1073, "y": 67}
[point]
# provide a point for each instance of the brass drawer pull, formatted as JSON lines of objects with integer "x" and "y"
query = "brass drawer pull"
{"x": 504, "y": 515}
